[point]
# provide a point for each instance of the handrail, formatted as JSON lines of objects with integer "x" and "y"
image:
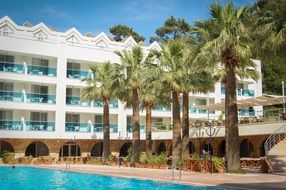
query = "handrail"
{"x": 276, "y": 137}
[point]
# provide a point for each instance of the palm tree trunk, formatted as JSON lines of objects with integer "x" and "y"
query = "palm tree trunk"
{"x": 177, "y": 146}
{"x": 136, "y": 128}
{"x": 233, "y": 157}
{"x": 106, "y": 137}
{"x": 149, "y": 127}
{"x": 186, "y": 122}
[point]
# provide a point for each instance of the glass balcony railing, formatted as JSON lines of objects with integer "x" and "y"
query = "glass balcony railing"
{"x": 40, "y": 70}
{"x": 98, "y": 127}
{"x": 40, "y": 126}
{"x": 11, "y": 125}
{"x": 161, "y": 108}
{"x": 246, "y": 112}
{"x": 129, "y": 128}
{"x": 75, "y": 74}
{"x": 78, "y": 127}
{"x": 11, "y": 96}
{"x": 241, "y": 92}
{"x": 192, "y": 109}
{"x": 11, "y": 67}
{"x": 41, "y": 98}
{"x": 222, "y": 89}
{"x": 75, "y": 100}
{"x": 112, "y": 104}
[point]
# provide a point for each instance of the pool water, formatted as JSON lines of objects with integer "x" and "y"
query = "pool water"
{"x": 28, "y": 178}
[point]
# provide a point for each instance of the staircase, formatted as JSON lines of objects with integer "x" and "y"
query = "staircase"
{"x": 275, "y": 150}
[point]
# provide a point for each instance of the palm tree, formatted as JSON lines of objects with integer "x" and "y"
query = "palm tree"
{"x": 105, "y": 85}
{"x": 152, "y": 93}
{"x": 133, "y": 63}
{"x": 225, "y": 40}
{"x": 172, "y": 59}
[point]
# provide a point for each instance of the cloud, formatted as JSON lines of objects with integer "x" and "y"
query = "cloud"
{"x": 55, "y": 11}
{"x": 146, "y": 9}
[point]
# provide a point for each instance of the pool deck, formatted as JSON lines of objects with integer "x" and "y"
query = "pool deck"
{"x": 237, "y": 181}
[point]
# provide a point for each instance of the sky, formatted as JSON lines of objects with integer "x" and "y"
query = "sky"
{"x": 96, "y": 16}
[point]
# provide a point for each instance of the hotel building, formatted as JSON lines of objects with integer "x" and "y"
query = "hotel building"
{"x": 41, "y": 112}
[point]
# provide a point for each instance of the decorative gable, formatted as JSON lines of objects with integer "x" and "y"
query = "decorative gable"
{"x": 73, "y": 39}
{"x": 40, "y": 35}
{"x": 6, "y": 29}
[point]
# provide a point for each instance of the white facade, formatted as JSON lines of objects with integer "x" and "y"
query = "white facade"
{"x": 40, "y": 84}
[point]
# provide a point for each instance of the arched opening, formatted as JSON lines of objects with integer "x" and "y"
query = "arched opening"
{"x": 5, "y": 147}
{"x": 221, "y": 148}
{"x": 97, "y": 149}
{"x": 170, "y": 152}
{"x": 70, "y": 149}
{"x": 124, "y": 149}
{"x": 262, "y": 149}
{"x": 162, "y": 148}
{"x": 37, "y": 148}
{"x": 192, "y": 149}
{"x": 246, "y": 148}
{"x": 207, "y": 148}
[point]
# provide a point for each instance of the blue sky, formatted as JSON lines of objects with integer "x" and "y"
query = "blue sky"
{"x": 96, "y": 16}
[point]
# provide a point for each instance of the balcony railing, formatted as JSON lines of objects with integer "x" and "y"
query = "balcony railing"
{"x": 112, "y": 104}
{"x": 40, "y": 126}
{"x": 241, "y": 92}
{"x": 11, "y": 125}
{"x": 75, "y": 74}
{"x": 41, "y": 98}
{"x": 98, "y": 127}
{"x": 75, "y": 100}
{"x": 161, "y": 108}
{"x": 40, "y": 70}
{"x": 77, "y": 127}
{"x": 129, "y": 128}
{"x": 12, "y": 96}
{"x": 11, "y": 67}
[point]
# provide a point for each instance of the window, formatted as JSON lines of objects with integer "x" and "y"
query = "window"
{"x": 39, "y": 116}
{"x": 73, "y": 66}
{"x": 37, "y": 89}
{"x": 73, "y": 92}
{"x": 6, "y": 86}
{"x": 6, "y": 115}
{"x": 98, "y": 119}
{"x": 6, "y": 58}
{"x": 40, "y": 62}
{"x": 72, "y": 118}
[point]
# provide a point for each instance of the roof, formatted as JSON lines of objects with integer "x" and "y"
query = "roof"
{"x": 265, "y": 100}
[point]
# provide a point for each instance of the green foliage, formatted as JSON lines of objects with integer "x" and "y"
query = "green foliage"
{"x": 218, "y": 162}
{"x": 112, "y": 158}
{"x": 7, "y": 157}
{"x": 128, "y": 157}
{"x": 121, "y": 32}
{"x": 146, "y": 158}
{"x": 173, "y": 28}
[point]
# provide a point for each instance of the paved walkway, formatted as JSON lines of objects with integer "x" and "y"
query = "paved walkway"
{"x": 240, "y": 181}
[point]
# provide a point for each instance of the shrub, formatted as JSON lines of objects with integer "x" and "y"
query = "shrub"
{"x": 112, "y": 158}
{"x": 196, "y": 157}
{"x": 128, "y": 157}
{"x": 217, "y": 162}
{"x": 144, "y": 158}
{"x": 7, "y": 157}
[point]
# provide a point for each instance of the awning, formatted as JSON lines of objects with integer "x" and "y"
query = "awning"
{"x": 265, "y": 100}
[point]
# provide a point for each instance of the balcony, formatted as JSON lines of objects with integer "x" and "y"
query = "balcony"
{"x": 129, "y": 128}
{"x": 241, "y": 92}
{"x": 112, "y": 104}
{"x": 75, "y": 100}
{"x": 76, "y": 74}
{"x": 11, "y": 67}
{"x": 41, "y": 98}
{"x": 158, "y": 107}
{"x": 11, "y": 125}
{"x": 40, "y": 126}
{"x": 40, "y": 70}
{"x": 11, "y": 96}
{"x": 98, "y": 127}
{"x": 77, "y": 127}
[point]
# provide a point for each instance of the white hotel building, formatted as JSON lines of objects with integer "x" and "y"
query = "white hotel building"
{"x": 40, "y": 83}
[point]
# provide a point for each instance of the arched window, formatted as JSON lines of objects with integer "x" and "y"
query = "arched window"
{"x": 162, "y": 148}
{"x": 207, "y": 148}
{"x": 191, "y": 148}
{"x": 5, "y": 147}
{"x": 70, "y": 149}
{"x": 97, "y": 149}
{"x": 221, "y": 149}
{"x": 124, "y": 149}
{"x": 246, "y": 148}
{"x": 37, "y": 148}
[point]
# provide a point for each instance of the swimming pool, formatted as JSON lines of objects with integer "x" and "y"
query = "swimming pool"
{"x": 28, "y": 178}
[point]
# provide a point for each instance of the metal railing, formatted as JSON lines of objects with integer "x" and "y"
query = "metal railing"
{"x": 42, "y": 70}
{"x": 275, "y": 138}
